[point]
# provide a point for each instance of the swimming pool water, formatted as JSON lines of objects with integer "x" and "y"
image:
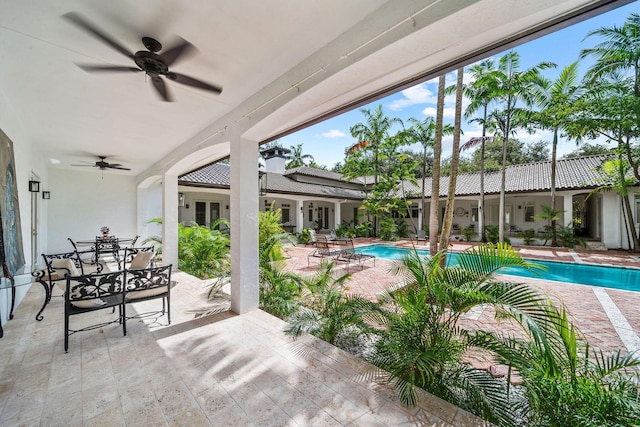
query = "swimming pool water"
{"x": 609, "y": 277}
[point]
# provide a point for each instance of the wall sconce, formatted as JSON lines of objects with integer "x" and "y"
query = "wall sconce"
{"x": 186, "y": 206}
{"x": 301, "y": 208}
{"x": 311, "y": 205}
{"x": 266, "y": 203}
{"x": 519, "y": 206}
{"x": 227, "y": 207}
{"x": 46, "y": 195}
{"x": 180, "y": 199}
{"x": 262, "y": 183}
{"x": 34, "y": 186}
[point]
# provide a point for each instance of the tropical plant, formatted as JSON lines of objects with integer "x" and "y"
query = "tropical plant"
{"x": 555, "y": 99}
{"x": 155, "y": 239}
{"x": 421, "y": 342}
{"x": 434, "y": 213}
{"x": 492, "y": 232}
{"x": 528, "y": 236}
{"x": 551, "y": 215}
{"x": 269, "y": 226}
{"x": 445, "y": 233}
{"x": 568, "y": 384}
{"x": 326, "y": 310}
{"x": 296, "y": 159}
{"x": 279, "y": 290}
{"x": 479, "y": 96}
{"x": 402, "y": 227}
{"x": 388, "y": 229}
{"x": 567, "y": 237}
{"x": 364, "y": 229}
{"x": 511, "y": 85}
{"x": 305, "y": 236}
{"x": 203, "y": 251}
{"x": 469, "y": 233}
{"x": 372, "y": 134}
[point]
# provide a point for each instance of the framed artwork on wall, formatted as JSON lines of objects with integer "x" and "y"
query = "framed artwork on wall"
{"x": 11, "y": 254}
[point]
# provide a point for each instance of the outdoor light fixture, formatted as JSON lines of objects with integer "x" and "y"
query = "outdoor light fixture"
{"x": 262, "y": 183}
{"x": 34, "y": 186}
{"x": 227, "y": 207}
{"x": 180, "y": 199}
{"x": 46, "y": 195}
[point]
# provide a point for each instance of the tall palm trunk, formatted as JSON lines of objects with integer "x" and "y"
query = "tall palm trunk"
{"x": 503, "y": 181}
{"x": 455, "y": 159}
{"x": 424, "y": 183}
{"x": 435, "y": 179}
{"x": 483, "y": 222}
{"x": 554, "y": 153}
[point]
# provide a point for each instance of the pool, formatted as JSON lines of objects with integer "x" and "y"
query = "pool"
{"x": 609, "y": 277}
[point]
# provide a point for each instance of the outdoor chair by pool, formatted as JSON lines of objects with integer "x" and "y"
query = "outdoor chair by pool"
{"x": 313, "y": 238}
{"x": 420, "y": 236}
{"x": 323, "y": 250}
{"x": 350, "y": 255}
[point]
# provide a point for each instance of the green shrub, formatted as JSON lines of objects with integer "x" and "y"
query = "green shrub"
{"x": 202, "y": 251}
{"x": 364, "y": 230}
{"x": 402, "y": 227}
{"x": 469, "y": 233}
{"x": 305, "y": 236}
{"x": 492, "y": 232}
{"x": 388, "y": 229}
{"x": 528, "y": 235}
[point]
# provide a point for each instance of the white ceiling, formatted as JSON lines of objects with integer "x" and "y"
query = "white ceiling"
{"x": 280, "y": 63}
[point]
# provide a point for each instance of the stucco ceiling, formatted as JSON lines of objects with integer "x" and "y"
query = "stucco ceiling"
{"x": 280, "y": 63}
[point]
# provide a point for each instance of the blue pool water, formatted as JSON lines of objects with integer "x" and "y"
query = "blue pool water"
{"x": 609, "y": 277}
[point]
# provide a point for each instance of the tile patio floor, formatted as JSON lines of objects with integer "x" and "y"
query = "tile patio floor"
{"x": 219, "y": 370}
{"x": 231, "y": 370}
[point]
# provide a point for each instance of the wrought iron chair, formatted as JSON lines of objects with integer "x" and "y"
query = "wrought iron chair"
{"x": 350, "y": 255}
{"x": 91, "y": 292}
{"x": 148, "y": 284}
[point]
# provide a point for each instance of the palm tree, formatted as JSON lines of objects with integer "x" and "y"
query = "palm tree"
{"x": 620, "y": 51}
{"x": 511, "y": 85}
{"x": 455, "y": 159}
{"x": 479, "y": 96}
{"x": 374, "y": 131}
{"x": 422, "y": 131}
{"x": 435, "y": 176}
{"x": 421, "y": 342}
{"x": 296, "y": 159}
{"x": 555, "y": 99}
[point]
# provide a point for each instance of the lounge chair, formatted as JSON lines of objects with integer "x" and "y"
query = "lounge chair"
{"x": 420, "y": 235}
{"x": 322, "y": 250}
{"x": 313, "y": 238}
{"x": 350, "y": 255}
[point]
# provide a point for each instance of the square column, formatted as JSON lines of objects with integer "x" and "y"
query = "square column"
{"x": 170, "y": 220}
{"x": 244, "y": 225}
{"x": 299, "y": 216}
{"x": 337, "y": 214}
{"x": 568, "y": 209}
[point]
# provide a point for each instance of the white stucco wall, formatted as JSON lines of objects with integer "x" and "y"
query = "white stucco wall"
{"x": 612, "y": 224}
{"x": 82, "y": 202}
{"x": 27, "y": 162}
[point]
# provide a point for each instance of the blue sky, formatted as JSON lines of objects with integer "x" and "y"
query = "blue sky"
{"x": 327, "y": 141}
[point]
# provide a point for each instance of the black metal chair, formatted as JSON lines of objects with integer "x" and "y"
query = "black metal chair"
{"x": 129, "y": 258}
{"x": 91, "y": 292}
{"x": 148, "y": 284}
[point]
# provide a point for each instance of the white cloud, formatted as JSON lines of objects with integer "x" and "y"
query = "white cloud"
{"x": 419, "y": 94}
{"x": 333, "y": 133}
{"x": 447, "y": 112}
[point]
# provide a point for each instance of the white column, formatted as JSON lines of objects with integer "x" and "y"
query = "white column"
{"x": 337, "y": 214}
{"x": 568, "y": 209}
{"x": 170, "y": 220}
{"x": 420, "y": 209}
{"x": 244, "y": 225}
{"x": 299, "y": 216}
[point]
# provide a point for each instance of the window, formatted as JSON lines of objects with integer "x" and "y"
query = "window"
{"x": 355, "y": 216}
{"x": 201, "y": 213}
{"x": 638, "y": 211}
{"x": 474, "y": 214}
{"x": 285, "y": 215}
{"x": 528, "y": 213}
{"x": 310, "y": 214}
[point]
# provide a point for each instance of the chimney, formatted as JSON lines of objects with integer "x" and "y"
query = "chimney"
{"x": 275, "y": 159}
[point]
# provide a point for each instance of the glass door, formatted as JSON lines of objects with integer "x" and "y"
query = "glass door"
{"x": 214, "y": 213}
{"x": 201, "y": 213}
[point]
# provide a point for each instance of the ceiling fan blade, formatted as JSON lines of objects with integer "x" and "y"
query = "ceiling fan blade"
{"x": 171, "y": 55}
{"x": 83, "y": 23}
{"x": 106, "y": 68}
{"x": 161, "y": 88}
{"x": 190, "y": 81}
{"x": 91, "y": 166}
{"x": 118, "y": 167}
{"x": 110, "y": 165}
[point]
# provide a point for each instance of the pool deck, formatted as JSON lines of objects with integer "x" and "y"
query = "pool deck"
{"x": 608, "y": 318}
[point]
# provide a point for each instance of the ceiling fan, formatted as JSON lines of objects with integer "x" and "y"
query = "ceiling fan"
{"x": 154, "y": 64}
{"x": 103, "y": 164}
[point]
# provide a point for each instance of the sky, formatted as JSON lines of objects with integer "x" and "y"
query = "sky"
{"x": 327, "y": 141}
